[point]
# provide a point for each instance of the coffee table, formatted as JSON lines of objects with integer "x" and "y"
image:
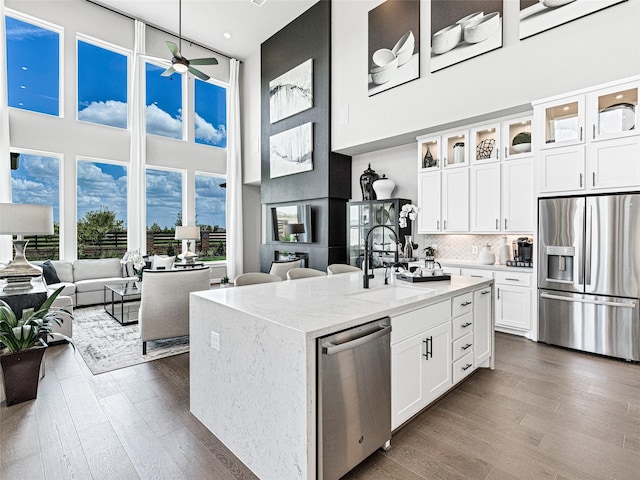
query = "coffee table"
{"x": 123, "y": 303}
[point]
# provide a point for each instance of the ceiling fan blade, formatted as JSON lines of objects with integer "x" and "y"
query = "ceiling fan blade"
{"x": 204, "y": 61}
{"x": 173, "y": 48}
{"x": 168, "y": 72}
{"x": 199, "y": 74}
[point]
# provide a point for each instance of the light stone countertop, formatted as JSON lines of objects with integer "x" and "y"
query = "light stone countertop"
{"x": 322, "y": 305}
{"x": 448, "y": 262}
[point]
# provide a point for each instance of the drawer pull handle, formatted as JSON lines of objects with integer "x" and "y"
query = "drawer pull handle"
{"x": 512, "y": 279}
{"x": 477, "y": 276}
{"x": 466, "y": 346}
{"x": 465, "y": 325}
{"x": 428, "y": 348}
{"x": 465, "y": 304}
{"x": 467, "y": 367}
{"x": 485, "y": 292}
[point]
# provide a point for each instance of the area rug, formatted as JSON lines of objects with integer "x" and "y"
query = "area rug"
{"x": 106, "y": 345}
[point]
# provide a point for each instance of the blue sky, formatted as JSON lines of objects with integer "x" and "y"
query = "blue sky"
{"x": 33, "y": 84}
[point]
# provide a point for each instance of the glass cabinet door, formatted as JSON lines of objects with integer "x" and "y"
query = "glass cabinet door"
{"x": 517, "y": 137}
{"x": 456, "y": 149}
{"x": 614, "y": 112}
{"x": 485, "y": 144}
{"x": 429, "y": 153}
{"x": 564, "y": 122}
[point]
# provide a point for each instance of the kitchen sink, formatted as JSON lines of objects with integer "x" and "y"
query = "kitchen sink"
{"x": 391, "y": 293}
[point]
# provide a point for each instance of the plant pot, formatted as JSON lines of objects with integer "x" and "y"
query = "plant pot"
{"x": 21, "y": 372}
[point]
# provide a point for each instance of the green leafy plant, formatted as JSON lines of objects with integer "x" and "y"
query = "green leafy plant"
{"x": 429, "y": 251}
{"x": 224, "y": 280}
{"x": 522, "y": 137}
{"x": 33, "y": 328}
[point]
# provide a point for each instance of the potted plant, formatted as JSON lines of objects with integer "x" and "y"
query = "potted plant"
{"x": 224, "y": 282}
{"x": 23, "y": 343}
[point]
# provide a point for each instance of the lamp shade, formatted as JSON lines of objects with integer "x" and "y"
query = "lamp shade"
{"x": 26, "y": 219}
{"x": 294, "y": 228}
{"x": 187, "y": 233}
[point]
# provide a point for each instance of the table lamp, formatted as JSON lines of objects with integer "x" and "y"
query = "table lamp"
{"x": 188, "y": 234}
{"x": 294, "y": 229}
{"x": 23, "y": 219}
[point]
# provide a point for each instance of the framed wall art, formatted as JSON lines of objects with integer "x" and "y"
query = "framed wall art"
{"x": 291, "y": 92}
{"x": 463, "y": 30}
{"x": 539, "y": 15}
{"x": 291, "y": 151}
{"x": 394, "y": 44}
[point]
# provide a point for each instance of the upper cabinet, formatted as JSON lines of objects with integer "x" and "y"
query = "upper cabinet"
{"x": 588, "y": 141}
{"x": 429, "y": 153}
{"x": 456, "y": 149}
{"x": 516, "y": 138}
{"x": 485, "y": 144}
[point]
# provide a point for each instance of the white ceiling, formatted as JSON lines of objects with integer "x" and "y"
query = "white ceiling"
{"x": 205, "y": 21}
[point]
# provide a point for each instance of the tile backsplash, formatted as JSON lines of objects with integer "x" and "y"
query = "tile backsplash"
{"x": 460, "y": 247}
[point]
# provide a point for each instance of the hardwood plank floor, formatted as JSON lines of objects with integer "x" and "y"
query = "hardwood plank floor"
{"x": 543, "y": 413}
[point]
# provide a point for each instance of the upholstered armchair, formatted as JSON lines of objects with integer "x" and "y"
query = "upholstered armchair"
{"x": 164, "y": 304}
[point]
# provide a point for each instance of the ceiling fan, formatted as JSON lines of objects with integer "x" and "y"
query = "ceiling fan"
{"x": 181, "y": 64}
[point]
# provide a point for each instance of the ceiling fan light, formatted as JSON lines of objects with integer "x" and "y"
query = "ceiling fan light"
{"x": 259, "y": 2}
{"x": 180, "y": 67}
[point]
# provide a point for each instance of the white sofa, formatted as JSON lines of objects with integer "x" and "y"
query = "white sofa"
{"x": 84, "y": 280}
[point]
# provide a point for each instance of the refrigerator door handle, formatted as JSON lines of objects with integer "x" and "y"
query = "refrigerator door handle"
{"x": 588, "y": 246}
{"x": 586, "y": 300}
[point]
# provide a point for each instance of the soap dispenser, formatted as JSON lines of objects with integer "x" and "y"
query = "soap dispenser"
{"x": 486, "y": 255}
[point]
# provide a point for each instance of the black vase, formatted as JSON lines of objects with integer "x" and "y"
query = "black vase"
{"x": 366, "y": 183}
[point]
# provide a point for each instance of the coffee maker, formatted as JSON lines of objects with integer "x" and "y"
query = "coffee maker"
{"x": 522, "y": 253}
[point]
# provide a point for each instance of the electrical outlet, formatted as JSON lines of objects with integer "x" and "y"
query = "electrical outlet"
{"x": 215, "y": 340}
{"x": 474, "y": 250}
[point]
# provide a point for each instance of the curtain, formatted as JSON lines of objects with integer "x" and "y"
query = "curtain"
{"x": 235, "y": 247}
{"x": 136, "y": 206}
{"x": 6, "y": 250}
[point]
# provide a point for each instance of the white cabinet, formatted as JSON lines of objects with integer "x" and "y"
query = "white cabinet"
{"x": 455, "y": 200}
{"x": 429, "y": 153}
{"x": 429, "y": 200}
{"x": 516, "y": 138}
{"x": 455, "y": 147}
{"x": 513, "y": 301}
{"x": 485, "y": 198}
{"x": 589, "y": 141}
{"x": 518, "y": 209}
{"x": 482, "y": 326}
{"x": 485, "y": 146}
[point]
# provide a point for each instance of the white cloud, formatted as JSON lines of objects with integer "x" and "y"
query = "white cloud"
{"x": 162, "y": 123}
{"x": 111, "y": 113}
{"x": 208, "y": 133}
{"x": 97, "y": 189}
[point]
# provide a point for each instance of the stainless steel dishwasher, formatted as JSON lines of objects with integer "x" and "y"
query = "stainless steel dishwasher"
{"x": 354, "y": 396}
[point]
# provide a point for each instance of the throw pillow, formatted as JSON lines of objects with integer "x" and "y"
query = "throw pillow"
{"x": 49, "y": 272}
{"x": 163, "y": 263}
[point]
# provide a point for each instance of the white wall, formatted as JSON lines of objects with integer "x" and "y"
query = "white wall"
{"x": 601, "y": 47}
{"x": 250, "y": 107}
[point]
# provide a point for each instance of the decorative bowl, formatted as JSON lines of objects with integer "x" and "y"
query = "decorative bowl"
{"x": 521, "y": 147}
{"x": 617, "y": 118}
{"x": 555, "y": 3}
{"x": 403, "y": 49}
{"x": 446, "y": 39}
{"x": 470, "y": 19}
{"x": 483, "y": 29}
{"x": 382, "y": 58}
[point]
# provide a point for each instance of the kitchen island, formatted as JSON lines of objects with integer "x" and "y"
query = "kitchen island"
{"x": 253, "y": 357}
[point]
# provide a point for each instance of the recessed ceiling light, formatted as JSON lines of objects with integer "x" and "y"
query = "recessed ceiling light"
{"x": 259, "y": 3}
{"x": 226, "y": 35}
{"x": 618, "y": 97}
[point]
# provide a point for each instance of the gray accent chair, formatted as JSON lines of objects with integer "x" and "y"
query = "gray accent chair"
{"x": 164, "y": 304}
{"x": 336, "y": 268}
{"x": 296, "y": 273}
{"x": 252, "y": 278}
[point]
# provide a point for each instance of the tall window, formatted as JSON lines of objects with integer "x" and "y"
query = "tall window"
{"x": 210, "y": 114}
{"x": 36, "y": 179}
{"x": 102, "y": 210}
{"x": 102, "y": 85}
{"x": 164, "y": 103}
{"x": 211, "y": 216}
{"x": 164, "y": 210}
{"x": 33, "y": 67}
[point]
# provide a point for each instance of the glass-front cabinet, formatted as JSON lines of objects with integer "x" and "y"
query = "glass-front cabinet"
{"x": 363, "y": 216}
{"x": 456, "y": 149}
{"x": 429, "y": 153}
{"x": 485, "y": 144}
{"x": 613, "y": 112}
{"x": 516, "y": 138}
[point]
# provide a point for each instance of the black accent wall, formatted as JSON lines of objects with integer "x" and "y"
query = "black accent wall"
{"x": 328, "y": 186}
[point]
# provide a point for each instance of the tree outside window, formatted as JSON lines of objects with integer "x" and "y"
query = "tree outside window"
{"x": 211, "y": 216}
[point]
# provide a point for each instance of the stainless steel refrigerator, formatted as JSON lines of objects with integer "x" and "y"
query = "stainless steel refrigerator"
{"x": 589, "y": 273}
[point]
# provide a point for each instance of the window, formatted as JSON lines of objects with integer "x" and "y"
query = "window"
{"x": 102, "y": 210}
{"x": 164, "y": 103}
{"x": 164, "y": 210}
{"x": 36, "y": 179}
{"x": 102, "y": 85}
{"x": 33, "y": 67}
{"x": 211, "y": 216}
{"x": 210, "y": 114}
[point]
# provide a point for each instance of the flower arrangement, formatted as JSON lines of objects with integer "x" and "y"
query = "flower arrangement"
{"x": 408, "y": 210}
{"x": 136, "y": 259}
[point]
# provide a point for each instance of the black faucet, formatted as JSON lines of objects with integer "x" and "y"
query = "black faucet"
{"x": 365, "y": 278}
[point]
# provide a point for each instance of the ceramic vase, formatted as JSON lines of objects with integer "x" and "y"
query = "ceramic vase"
{"x": 407, "y": 252}
{"x": 384, "y": 187}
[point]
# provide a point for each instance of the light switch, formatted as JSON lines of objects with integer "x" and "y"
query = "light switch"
{"x": 215, "y": 340}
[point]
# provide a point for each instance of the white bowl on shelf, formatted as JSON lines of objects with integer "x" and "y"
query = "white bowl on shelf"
{"x": 471, "y": 19}
{"x": 385, "y": 64}
{"x": 521, "y": 147}
{"x": 446, "y": 39}
{"x": 483, "y": 29}
{"x": 403, "y": 49}
{"x": 555, "y": 3}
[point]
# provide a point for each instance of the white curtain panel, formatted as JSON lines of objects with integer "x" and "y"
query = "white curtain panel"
{"x": 136, "y": 211}
{"x": 235, "y": 247}
{"x": 6, "y": 252}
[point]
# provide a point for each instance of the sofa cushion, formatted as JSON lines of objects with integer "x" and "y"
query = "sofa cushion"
{"x": 49, "y": 272}
{"x": 69, "y": 288}
{"x": 163, "y": 262}
{"x": 100, "y": 268}
{"x": 94, "y": 284}
{"x": 64, "y": 270}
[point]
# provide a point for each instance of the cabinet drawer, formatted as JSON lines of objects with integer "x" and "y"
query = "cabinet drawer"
{"x": 462, "y": 367}
{"x": 461, "y": 325}
{"x": 477, "y": 273}
{"x": 514, "y": 278}
{"x": 409, "y": 323}
{"x": 462, "y": 304}
{"x": 451, "y": 270}
{"x": 463, "y": 345}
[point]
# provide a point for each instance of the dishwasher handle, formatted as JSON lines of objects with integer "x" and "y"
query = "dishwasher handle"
{"x": 329, "y": 348}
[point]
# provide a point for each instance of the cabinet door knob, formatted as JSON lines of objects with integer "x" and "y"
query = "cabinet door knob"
{"x": 467, "y": 367}
{"x": 464, "y": 347}
{"x": 594, "y": 130}
{"x": 437, "y": 224}
{"x": 428, "y": 348}
{"x": 506, "y": 152}
{"x": 497, "y": 224}
{"x": 580, "y": 180}
{"x": 465, "y": 325}
{"x": 485, "y": 292}
{"x": 580, "y": 133}
{"x": 464, "y": 304}
{"x": 505, "y": 223}
{"x": 593, "y": 179}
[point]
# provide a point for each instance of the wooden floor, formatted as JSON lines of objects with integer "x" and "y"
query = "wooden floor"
{"x": 543, "y": 413}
